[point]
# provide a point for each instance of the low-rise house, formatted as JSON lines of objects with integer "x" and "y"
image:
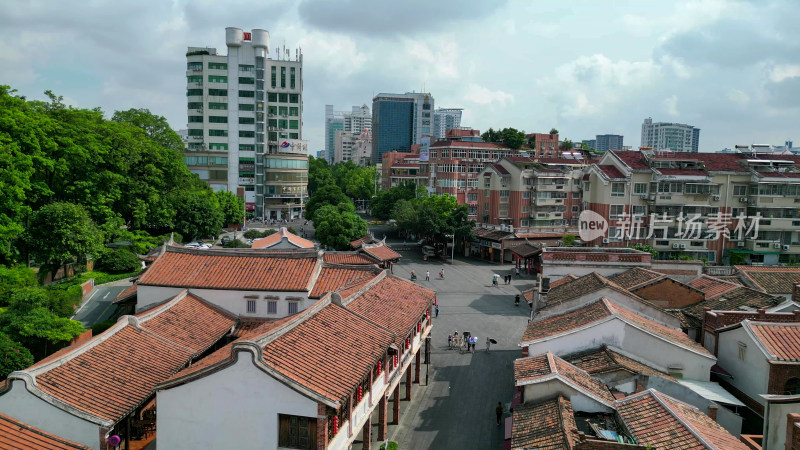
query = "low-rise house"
{"x": 604, "y": 323}
{"x": 282, "y": 240}
{"x": 772, "y": 280}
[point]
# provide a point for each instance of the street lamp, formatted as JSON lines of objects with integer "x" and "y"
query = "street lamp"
{"x": 453, "y": 253}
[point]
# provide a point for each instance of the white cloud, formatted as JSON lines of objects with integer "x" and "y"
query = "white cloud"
{"x": 780, "y": 73}
{"x": 738, "y": 97}
{"x": 485, "y": 96}
{"x": 338, "y": 55}
{"x": 671, "y": 106}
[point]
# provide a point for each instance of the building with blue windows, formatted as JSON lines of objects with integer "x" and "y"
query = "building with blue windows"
{"x": 400, "y": 121}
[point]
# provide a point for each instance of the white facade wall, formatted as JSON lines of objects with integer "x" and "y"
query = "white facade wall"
{"x": 619, "y": 334}
{"x": 617, "y": 298}
{"x": 751, "y": 374}
{"x": 548, "y": 389}
{"x": 229, "y": 300}
{"x": 775, "y": 423}
{"x": 20, "y": 404}
{"x": 236, "y": 407}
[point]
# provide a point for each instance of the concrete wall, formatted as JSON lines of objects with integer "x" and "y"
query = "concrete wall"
{"x": 236, "y": 407}
{"x": 750, "y": 375}
{"x": 230, "y": 300}
{"x": 632, "y": 340}
{"x": 19, "y": 403}
{"x": 725, "y": 417}
{"x": 775, "y": 424}
{"x": 617, "y": 298}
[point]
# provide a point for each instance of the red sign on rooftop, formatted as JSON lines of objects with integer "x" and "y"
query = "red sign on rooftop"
{"x": 247, "y": 36}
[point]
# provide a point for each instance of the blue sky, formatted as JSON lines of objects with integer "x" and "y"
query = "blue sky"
{"x": 731, "y": 68}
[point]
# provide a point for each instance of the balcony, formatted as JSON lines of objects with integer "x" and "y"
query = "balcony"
{"x": 763, "y": 245}
{"x": 548, "y": 201}
{"x": 778, "y": 224}
{"x": 768, "y": 201}
{"x": 194, "y": 85}
{"x": 549, "y": 187}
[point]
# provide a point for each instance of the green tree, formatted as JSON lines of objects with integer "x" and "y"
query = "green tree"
{"x": 14, "y": 278}
{"x": 491, "y": 135}
{"x": 155, "y": 127}
{"x": 512, "y": 138}
{"x": 232, "y": 207}
{"x": 13, "y": 356}
{"x": 120, "y": 260}
{"x": 553, "y": 131}
{"x": 646, "y": 248}
{"x": 384, "y": 201}
{"x": 360, "y": 183}
{"x": 566, "y": 144}
{"x": 336, "y": 226}
{"x": 60, "y": 232}
{"x": 327, "y": 195}
{"x": 198, "y": 214}
{"x": 568, "y": 239}
{"x": 320, "y": 174}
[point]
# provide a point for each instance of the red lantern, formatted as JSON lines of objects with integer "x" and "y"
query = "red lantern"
{"x": 360, "y": 392}
{"x": 435, "y": 302}
{"x": 395, "y": 360}
{"x": 419, "y": 326}
{"x": 379, "y": 367}
{"x": 335, "y": 425}
{"x": 408, "y": 343}
{"x": 428, "y": 314}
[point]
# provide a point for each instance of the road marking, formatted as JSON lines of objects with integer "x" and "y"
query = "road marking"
{"x": 106, "y": 296}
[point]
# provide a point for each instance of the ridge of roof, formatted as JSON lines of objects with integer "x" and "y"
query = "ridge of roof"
{"x": 769, "y": 344}
{"x": 581, "y": 381}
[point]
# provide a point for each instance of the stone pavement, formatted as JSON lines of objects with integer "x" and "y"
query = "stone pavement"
{"x": 457, "y": 409}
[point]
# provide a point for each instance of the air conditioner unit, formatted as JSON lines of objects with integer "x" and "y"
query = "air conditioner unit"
{"x": 716, "y": 198}
{"x": 683, "y": 246}
{"x": 676, "y": 245}
{"x": 785, "y": 247}
{"x": 606, "y": 240}
{"x": 740, "y": 244}
{"x": 644, "y": 197}
{"x": 743, "y": 199}
{"x": 777, "y": 245}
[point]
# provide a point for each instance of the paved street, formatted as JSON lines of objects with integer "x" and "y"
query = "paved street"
{"x": 457, "y": 410}
{"x": 98, "y": 305}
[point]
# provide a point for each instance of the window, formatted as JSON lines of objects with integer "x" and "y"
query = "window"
{"x": 617, "y": 189}
{"x": 218, "y": 119}
{"x": 640, "y": 210}
{"x": 616, "y": 211}
{"x": 526, "y": 194}
{"x": 246, "y": 107}
{"x": 283, "y": 77}
{"x": 283, "y": 124}
{"x": 194, "y": 66}
{"x": 218, "y": 147}
{"x": 294, "y": 111}
{"x": 218, "y": 66}
{"x": 247, "y": 120}
{"x": 190, "y": 92}
{"x": 251, "y": 306}
{"x": 739, "y": 190}
{"x": 217, "y": 132}
{"x": 504, "y": 193}
{"x": 293, "y": 307}
{"x": 294, "y": 124}
{"x": 640, "y": 188}
{"x": 294, "y": 136}
{"x": 272, "y": 307}
{"x": 297, "y": 432}
{"x": 247, "y": 80}
{"x": 248, "y": 94}
{"x": 274, "y": 72}
{"x": 218, "y": 92}
{"x": 195, "y": 119}
{"x": 792, "y": 386}
{"x": 742, "y": 350}
{"x": 247, "y": 134}
{"x": 246, "y": 68}
{"x": 486, "y": 192}
{"x": 217, "y": 79}
{"x": 195, "y": 105}
{"x": 283, "y": 98}
{"x": 291, "y": 78}
{"x": 213, "y": 105}
{"x": 194, "y": 79}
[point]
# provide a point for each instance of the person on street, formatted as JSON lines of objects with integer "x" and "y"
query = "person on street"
{"x": 498, "y": 410}
{"x": 428, "y": 275}
{"x": 441, "y": 273}
{"x": 488, "y": 344}
{"x": 517, "y": 271}
{"x": 516, "y": 300}
{"x": 436, "y": 310}
{"x": 449, "y": 340}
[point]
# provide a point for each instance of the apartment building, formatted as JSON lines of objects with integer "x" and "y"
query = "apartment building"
{"x": 245, "y": 114}
{"x": 445, "y": 119}
{"x": 736, "y": 207}
{"x": 543, "y": 145}
{"x": 677, "y": 137}
{"x": 521, "y": 191}
{"x": 606, "y": 142}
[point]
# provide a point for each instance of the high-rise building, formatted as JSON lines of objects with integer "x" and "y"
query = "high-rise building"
{"x": 334, "y": 121}
{"x": 677, "y": 137}
{"x": 358, "y": 119}
{"x": 351, "y": 123}
{"x": 245, "y": 114}
{"x": 606, "y": 142}
{"x": 445, "y": 119}
{"x": 592, "y": 143}
{"x": 400, "y": 121}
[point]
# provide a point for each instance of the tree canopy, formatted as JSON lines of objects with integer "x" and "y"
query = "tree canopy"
{"x": 326, "y": 195}
{"x": 59, "y": 232}
{"x": 510, "y": 137}
{"x": 336, "y": 226}
{"x": 433, "y": 217}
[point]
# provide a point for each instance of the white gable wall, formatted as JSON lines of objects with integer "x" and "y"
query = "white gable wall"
{"x": 617, "y": 298}
{"x": 750, "y": 375}
{"x": 20, "y": 404}
{"x": 236, "y": 407}
{"x": 537, "y": 392}
{"x": 619, "y": 334}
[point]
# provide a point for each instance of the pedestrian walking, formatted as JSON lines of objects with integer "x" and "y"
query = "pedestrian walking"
{"x": 428, "y": 275}
{"x": 391, "y": 267}
{"x": 436, "y": 310}
{"x": 441, "y": 273}
{"x": 474, "y": 341}
{"x": 516, "y": 300}
{"x": 488, "y": 344}
{"x": 517, "y": 271}
{"x": 449, "y": 341}
{"x": 498, "y": 410}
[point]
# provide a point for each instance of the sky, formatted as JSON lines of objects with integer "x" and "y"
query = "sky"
{"x": 728, "y": 67}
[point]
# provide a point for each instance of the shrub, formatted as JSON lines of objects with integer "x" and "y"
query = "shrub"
{"x": 119, "y": 261}
{"x": 568, "y": 240}
{"x": 99, "y": 327}
{"x": 235, "y": 243}
{"x": 13, "y": 356}
{"x": 392, "y": 446}
{"x": 255, "y": 234}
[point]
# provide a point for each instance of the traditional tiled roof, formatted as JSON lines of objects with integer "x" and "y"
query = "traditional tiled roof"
{"x": 499, "y": 168}
{"x": 366, "y": 239}
{"x": 17, "y": 435}
{"x": 129, "y": 292}
{"x": 219, "y": 269}
{"x": 394, "y": 304}
{"x": 712, "y": 286}
{"x": 333, "y": 278}
{"x": 599, "y": 311}
{"x": 611, "y": 171}
{"x": 634, "y": 160}
{"x": 189, "y": 322}
{"x": 567, "y": 279}
{"x": 691, "y": 172}
{"x": 349, "y": 258}
{"x": 381, "y": 252}
{"x": 526, "y": 250}
{"x": 661, "y": 421}
{"x": 591, "y": 282}
{"x": 111, "y": 374}
{"x": 772, "y": 280}
{"x": 548, "y": 425}
{"x": 329, "y": 352}
{"x": 737, "y": 299}
{"x": 606, "y": 360}
{"x": 534, "y": 369}
{"x": 282, "y": 234}
{"x": 630, "y": 279}
{"x": 780, "y": 340}
{"x": 491, "y": 234}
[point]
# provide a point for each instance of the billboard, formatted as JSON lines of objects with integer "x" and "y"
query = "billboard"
{"x": 424, "y": 148}
{"x": 295, "y": 146}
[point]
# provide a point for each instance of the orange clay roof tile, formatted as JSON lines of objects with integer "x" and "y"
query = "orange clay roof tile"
{"x": 17, "y": 435}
